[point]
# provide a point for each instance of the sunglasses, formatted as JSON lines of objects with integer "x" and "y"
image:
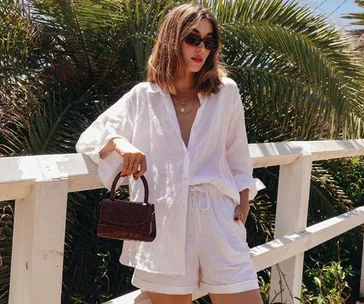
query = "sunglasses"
{"x": 194, "y": 40}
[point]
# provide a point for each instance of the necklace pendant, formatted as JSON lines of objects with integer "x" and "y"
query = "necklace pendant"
{"x": 183, "y": 110}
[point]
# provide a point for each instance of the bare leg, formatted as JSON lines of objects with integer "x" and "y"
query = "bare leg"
{"x": 160, "y": 298}
{"x": 246, "y": 297}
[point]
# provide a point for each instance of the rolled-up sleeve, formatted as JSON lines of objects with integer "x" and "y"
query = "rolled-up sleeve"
{"x": 238, "y": 156}
{"x": 116, "y": 122}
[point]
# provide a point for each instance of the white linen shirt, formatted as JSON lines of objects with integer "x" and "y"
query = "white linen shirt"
{"x": 217, "y": 154}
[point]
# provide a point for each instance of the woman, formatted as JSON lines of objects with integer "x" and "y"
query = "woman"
{"x": 187, "y": 125}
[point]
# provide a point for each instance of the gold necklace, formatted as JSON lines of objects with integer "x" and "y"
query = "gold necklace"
{"x": 183, "y": 112}
{"x": 183, "y": 104}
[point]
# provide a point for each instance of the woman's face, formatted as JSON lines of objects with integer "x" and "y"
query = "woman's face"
{"x": 194, "y": 57}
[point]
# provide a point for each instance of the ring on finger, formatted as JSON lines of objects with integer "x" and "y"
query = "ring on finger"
{"x": 130, "y": 165}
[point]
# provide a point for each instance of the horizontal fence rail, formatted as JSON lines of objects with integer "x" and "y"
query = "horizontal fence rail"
{"x": 39, "y": 223}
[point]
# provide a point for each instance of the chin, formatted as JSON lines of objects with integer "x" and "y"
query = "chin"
{"x": 195, "y": 69}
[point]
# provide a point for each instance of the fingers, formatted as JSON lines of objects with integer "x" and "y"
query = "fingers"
{"x": 125, "y": 166}
{"x": 131, "y": 164}
{"x": 143, "y": 168}
{"x": 241, "y": 213}
{"x": 236, "y": 214}
{"x": 130, "y": 161}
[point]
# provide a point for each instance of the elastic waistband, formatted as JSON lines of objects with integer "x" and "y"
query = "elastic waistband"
{"x": 204, "y": 189}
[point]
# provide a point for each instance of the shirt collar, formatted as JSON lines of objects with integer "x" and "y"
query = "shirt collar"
{"x": 155, "y": 88}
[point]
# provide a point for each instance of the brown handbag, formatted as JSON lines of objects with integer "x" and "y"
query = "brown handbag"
{"x": 124, "y": 220}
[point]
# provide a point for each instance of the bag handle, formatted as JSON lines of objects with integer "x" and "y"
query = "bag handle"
{"x": 146, "y": 189}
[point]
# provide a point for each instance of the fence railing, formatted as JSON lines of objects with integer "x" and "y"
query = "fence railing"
{"x": 40, "y": 185}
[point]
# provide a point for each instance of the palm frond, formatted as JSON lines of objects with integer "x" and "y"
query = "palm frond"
{"x": 309, "y": 78}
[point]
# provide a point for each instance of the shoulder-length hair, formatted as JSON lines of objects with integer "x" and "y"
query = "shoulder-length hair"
{"x": 166, "y": 58}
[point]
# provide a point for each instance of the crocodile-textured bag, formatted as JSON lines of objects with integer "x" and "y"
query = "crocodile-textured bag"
{"x": 124, "y": 220}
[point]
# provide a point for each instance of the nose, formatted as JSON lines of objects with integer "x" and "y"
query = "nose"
{"x": 201, "y": 47}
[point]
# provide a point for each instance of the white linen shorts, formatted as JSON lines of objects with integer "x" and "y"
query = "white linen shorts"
{"x": 217, "y": 255}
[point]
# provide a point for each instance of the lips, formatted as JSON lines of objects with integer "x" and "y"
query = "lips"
{"x": 197, "y": 59}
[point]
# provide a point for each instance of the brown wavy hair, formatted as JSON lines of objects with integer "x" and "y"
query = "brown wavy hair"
{"x": 166, "y": 57}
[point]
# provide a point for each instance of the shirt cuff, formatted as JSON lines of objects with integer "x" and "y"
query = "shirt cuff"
{"x": 108, "y": 168}
{"x": 253, "y": 184}
{"x": 92, "y": 149}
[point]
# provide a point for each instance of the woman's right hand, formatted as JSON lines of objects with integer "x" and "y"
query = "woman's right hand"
{"x": 134, "y": 161}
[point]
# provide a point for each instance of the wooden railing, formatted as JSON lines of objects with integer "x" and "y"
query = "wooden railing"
{"x": 40, "y": 185}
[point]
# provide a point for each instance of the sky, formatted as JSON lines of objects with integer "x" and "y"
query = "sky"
{"x": 337, "y": 8}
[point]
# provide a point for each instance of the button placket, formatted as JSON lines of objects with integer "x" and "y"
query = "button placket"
{"x": 173, "y": 117}
{"x": 196, "y": 122}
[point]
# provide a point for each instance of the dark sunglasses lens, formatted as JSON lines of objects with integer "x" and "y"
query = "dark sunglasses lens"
{"x": 210, "y": 44}
{"x": 193, "y": 40}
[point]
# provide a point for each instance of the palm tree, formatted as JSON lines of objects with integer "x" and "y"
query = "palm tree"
{"x": 298, "y": 78}
{"x": 358, "y": 20}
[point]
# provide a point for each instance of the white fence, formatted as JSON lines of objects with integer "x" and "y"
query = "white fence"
{"x": 40, "y": 185}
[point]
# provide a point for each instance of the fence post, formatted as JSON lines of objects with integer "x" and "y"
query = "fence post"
{"x": 291, "y": 217}
{"x": 38, "y": 244}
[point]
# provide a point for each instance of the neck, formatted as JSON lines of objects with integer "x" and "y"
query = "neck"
{"x": 184, "y": 82}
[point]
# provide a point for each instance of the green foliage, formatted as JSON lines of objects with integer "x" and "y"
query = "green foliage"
{"x": 292, "y": 65}
{"x": 323, "y": 283}
{"x": 64, "y": 62}
{"x": 19, "y": 81}
{"x": 330, "y": 284}
{"x": 264, "y": 284}
{"x": 357, "y": 20}
{"x": 349, "y": 174}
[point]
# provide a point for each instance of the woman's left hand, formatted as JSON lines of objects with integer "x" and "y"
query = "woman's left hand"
{"x": 242, "y": 210}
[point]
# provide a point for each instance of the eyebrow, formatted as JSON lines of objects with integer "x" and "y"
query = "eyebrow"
{"x": 197, "y": 31}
